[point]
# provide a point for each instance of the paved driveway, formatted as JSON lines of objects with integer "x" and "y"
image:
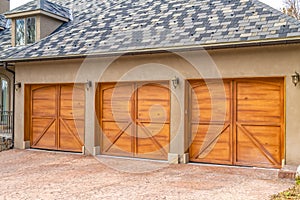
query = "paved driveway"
{"x": 28, "y": 174}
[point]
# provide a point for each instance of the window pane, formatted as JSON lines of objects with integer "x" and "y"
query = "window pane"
{"x": 5, "y": 96}
{"x": 30, "y": 27}
{"x": 20, "y": 32}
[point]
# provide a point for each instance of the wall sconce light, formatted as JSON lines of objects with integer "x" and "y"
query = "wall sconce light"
{"x": 175, "y": 82}
{"x": 295, "y": 78}
{"x": 18, "y": 85}
{"x": 88, "y": 85}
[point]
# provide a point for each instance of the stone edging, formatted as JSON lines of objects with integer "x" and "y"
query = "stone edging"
{"x": 5, "y": 143}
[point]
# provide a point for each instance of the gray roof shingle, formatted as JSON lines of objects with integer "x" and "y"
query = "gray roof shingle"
{"x": 47, "y": 6}
{"x": 139, "y": 25}
{"x": 5, "y": 44}
{"x": 79, "y": 13}
{"x": 2, "y": 22}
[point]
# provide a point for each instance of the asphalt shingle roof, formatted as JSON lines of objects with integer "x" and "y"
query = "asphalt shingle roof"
{"x": 46, "y": 6}
{"x": 5, "y": 43}
{"x": 139, "y": 25}
{"x": 2, "y": 22}
{"x": 78, "y": 8}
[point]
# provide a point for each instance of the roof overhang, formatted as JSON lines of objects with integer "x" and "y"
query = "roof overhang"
{"x": 265, "y": 42}
{"x": 35, "y": 12}
{"x": 254, "y": 43}
{"x": 8, "y": 64}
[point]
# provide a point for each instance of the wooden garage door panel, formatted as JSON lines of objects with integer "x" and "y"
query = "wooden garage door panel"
{"x": 259, "y": 111}
{"x": 44, "y": 101}
{"x": 116, "y": 119}
{"x": 57, "y": 117}
{"x": 43, "y": 132}
{"x": 43, "y": 92}
{"x": 259, "y": 108}
{"x": 113, "y": 91}
{"x": 259, "y": 102}
{"x": 135, "y": 119}
{"x": 211, "y": 126}
{"x": 153, "y": 92}
{"x": 69, "y": 139}
{"x": 259, "y": 145}
{"x": 204, "y": 101}
{"x": 210, "y": 88}
{"x": 43, "y": 108}
{"x": 258, "y": 89}
{"x": 153, "y": 139}
{"x": 154, "y": 111}
{"x": 153, "y": 103}
{"x": 151, "y": 153}
{"x": 78, "y": 125}
{"x": 72, "y": 109}
{"x": 117, "y": 139}
{"x": 121, "y": 110}
{"x": 72, "y": 101}
{"x": 255, "y": 114}
{"x": 211, "y": 143}
{"x": 116, "y": 101}
{"x": 203, "y": 111}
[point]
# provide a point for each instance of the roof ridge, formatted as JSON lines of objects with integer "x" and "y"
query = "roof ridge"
{"x": 270, "y": 8}
{"x": 40, "y": 4}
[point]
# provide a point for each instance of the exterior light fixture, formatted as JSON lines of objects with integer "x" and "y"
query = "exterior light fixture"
{"x": 88, "y": 85}
{"x": 175, "y": 82}
{"x": 18, "y": 85}
{"x": 295, "y": 78}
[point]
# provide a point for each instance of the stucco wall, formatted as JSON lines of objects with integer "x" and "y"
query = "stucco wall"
{"x": 45, "y": 26}
{"x": 4, "y": 6}
{"x": 280, "y": 60}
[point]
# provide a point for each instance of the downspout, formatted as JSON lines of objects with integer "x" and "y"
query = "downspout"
{"x": 5, "y": 65}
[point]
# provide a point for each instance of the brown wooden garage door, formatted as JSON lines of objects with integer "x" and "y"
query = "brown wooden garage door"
{"x": 238, "y": 122}
{"x": 57, "y": 117}
{"x": 135, "y": 119}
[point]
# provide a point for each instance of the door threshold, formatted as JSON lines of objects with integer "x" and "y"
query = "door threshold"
{"x": 55, "y": 151}
{"x": 232, "y": 166}
{"x": 132, "y": 158}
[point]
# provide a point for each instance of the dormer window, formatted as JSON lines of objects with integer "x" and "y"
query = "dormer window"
{"x": 25, "y": 31}
{"x": 36, "y": 20}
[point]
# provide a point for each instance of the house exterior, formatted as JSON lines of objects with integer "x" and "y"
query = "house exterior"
{"x": 182, "y": 81}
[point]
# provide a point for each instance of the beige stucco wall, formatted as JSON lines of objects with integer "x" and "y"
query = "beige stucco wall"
{"x": 46, "y": 26}
{"x": 280, "y": 60}
{"x": 13, "y": 32}
{"x": 4, "y": 6}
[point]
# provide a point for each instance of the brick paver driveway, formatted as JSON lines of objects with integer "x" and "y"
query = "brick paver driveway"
{"x": 28, "y": 174}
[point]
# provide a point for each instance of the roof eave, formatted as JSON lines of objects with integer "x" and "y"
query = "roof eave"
{"x": 35, "y": 12}
{"x": 292, "y": 40}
